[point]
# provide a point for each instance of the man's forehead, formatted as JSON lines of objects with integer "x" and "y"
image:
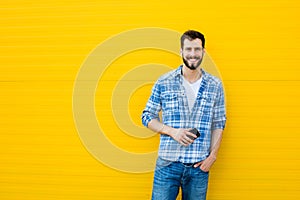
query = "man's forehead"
{"x": 193, "y": 42}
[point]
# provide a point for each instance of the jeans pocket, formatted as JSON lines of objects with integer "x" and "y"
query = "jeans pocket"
{"x": 202, "y": 170}
{"x": 161, "y": 163}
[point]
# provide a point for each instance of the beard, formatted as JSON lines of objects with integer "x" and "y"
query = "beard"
{"x": 193, "y": 66}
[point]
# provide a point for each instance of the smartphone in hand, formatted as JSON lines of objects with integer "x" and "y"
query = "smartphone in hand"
{"x": 195, "y": 132}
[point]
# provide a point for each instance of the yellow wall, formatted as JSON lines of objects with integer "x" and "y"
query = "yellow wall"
{"x": 43, "y": 44}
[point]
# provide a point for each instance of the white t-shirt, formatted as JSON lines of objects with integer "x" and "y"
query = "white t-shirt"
{"x": 191, "y": 91}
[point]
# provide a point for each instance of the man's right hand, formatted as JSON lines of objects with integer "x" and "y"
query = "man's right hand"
{"x": 183, "y": 136}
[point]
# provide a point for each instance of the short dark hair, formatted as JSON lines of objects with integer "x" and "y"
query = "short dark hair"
{"x": 191, "y": 35}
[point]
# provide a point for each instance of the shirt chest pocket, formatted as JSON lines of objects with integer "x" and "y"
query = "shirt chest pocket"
{"x": 170, "y": 101}
{"x": 206, "y": 105}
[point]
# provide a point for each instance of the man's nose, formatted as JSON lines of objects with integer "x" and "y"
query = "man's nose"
{"x": 192, "y": 52}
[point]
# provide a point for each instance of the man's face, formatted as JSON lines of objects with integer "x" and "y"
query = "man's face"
{"x": 192, "y": 53}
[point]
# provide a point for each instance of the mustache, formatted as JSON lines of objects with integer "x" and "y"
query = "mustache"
{"x": 193, "y": 57}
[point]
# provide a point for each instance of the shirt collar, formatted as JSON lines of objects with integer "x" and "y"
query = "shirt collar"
{"x": 178, "y": 72}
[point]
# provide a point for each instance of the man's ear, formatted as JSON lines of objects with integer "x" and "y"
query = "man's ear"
{"x": 180, "y": 51}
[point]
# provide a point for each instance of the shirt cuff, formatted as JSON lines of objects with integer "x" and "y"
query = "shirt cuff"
{"x": 147, "y": 118}
{"x": 219, "y": 125}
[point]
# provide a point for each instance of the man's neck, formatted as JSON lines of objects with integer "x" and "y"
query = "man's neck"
{"x": 191, "y": 75}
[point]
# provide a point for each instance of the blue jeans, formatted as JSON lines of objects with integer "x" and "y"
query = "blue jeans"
{"x": 170, "y": 176}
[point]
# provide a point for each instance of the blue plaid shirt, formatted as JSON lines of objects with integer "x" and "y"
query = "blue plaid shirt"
{"x": 169, "y": 96}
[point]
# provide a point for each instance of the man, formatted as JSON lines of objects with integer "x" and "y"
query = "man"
{"x": 189, "y": 98}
